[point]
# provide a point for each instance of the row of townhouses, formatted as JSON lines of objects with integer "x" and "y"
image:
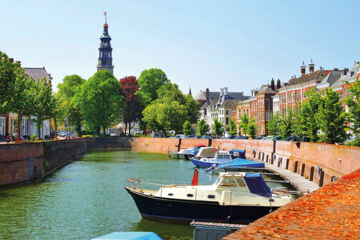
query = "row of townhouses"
{"x": 8, "y": 122}
{"x": 275, "y": 97}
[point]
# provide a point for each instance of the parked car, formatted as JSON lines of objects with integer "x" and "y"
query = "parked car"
{"x": 292, "y": 139}
{"x": 241, "y": 137}
{"x": 207, "y": 137}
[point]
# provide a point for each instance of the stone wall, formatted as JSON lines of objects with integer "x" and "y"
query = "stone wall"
{"x": 321, "y": 163}
{"x": 318, "y": 162}
{"x": 28, "y": 161}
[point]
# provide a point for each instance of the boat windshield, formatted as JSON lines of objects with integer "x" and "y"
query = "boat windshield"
{"x": 223, "y": 156}
{"x": 228, "y": 182}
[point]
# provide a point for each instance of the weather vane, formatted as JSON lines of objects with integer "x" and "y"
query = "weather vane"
{"x": 105, "y": 17}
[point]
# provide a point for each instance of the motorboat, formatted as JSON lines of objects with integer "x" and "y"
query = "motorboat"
{"x": 186, "y": 153}
{"x": 233, "y": 197}
{"x": 211, "y": 157}
{"x": 238, "y": 165}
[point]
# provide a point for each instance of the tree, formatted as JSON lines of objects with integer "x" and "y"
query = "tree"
{"x": 251, "y": 128}
{"x": 133, "y": 105}
{"x": 331, "y": 118}
{"x": 244, "y": 122}
{"x": 158, "y": 114}
{"x": 193, "y": 109}
{"x": 100, "y": 102}
{"x": 8, "y": 74}
{"x": 202, "y": 127}
{"x": 70, "y": 86}
{"x": 150, "y": 81}
{"x": 218, "y": 128}
{"x": 274, "y": 125}
{"x": 165, "y": 115}
{"x": 232, "y": 128}
{"x": 305, "y": 123}
{"x": 352, "y": 101}
{"x": 187, "y": 128}
{"x": 44, "y": 102}
{"x": 287, "y": 127}
{"x": 66, "y": 99}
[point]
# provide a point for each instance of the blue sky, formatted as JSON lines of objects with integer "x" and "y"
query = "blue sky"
{"x": 235, "y": 44}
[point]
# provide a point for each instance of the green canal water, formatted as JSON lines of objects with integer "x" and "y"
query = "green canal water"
{"x": 87, "y": 199}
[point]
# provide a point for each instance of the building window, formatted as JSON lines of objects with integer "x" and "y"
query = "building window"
{"x": 227, "y": 112}
{"x": 2, "y": 126}
{"x": 227, "y": 121}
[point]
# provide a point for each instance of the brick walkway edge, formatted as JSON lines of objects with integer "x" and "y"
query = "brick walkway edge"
{"x": 332, "y": 212}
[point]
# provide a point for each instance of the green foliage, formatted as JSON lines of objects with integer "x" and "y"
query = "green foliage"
{"x": 244, "y": 122}
{"x": 354, "y": 107}
{"x": 99, "y": 101}
{"x": 67, "y": 107}
{"x": 251, "y": 128}
{"x": 193, "y": 109}
{"x": 8, "y": 75}
{"x": 331, "y": 118}
{"x": 202, "y": 127}
{"x": 287, "y": 127}
{"x": 70, "y": 86}
{"x": 218, "y": 128}
{"x": 354, "y": 143}
{"x": 274, "y": 125}
{"x": 170, "y": 110}
{"x": 232, "y": 128}
{"x": 306, "y": 123}
{"x": 44, "y": 101}
{"x": 187, "y": 128}
{"x": 150, "y": 81}
{"x": 33, "y": 137}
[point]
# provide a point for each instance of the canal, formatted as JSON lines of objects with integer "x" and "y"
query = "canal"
{"x": 86, "y": 198}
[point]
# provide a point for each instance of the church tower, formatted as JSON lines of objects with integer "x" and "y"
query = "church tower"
{"x": 105, "y": 50}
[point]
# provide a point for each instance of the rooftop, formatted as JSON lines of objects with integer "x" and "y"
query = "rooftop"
{"x": 37, "y": 73}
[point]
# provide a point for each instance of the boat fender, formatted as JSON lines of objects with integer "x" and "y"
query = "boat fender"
{"x": 195, "y": 180}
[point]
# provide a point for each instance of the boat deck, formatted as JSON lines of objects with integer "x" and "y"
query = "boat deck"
{"x": 299, "y": 182}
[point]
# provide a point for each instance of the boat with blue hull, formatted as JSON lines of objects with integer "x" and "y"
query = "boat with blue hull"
{"x": 234, "y": 197}
{"x": 220, "y": 157}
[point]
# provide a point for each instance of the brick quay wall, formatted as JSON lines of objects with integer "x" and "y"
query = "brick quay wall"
{"x": 321, "y": 163}
{"x": 29, "y": 161}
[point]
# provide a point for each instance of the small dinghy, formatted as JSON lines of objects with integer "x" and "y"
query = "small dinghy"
{"x": 186, "y": 153}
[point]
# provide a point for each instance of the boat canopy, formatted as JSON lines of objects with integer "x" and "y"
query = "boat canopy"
{"x": 237, "y": 153}
{"x": 129, "y": 236}
{"x": 257, "y": 185}
{"x": 207, "y": 152}
{"x": 239, "y": 162}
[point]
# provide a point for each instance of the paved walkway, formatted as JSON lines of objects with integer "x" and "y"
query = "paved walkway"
{"x": 295, "y": 179}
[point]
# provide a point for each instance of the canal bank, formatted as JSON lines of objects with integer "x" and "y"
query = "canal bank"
{"x": 317, "y": 162}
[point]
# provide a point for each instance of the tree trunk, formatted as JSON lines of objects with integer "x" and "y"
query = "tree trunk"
{"x": 18, "y": 128}
{"x": 56, "y": 126}
{"x": 104, "y": 130}
{"x": 125, "y": 128}
{"x": 39, "y": 127}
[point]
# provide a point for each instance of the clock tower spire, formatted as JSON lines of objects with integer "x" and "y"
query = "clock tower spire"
{"x": 105, "y": 50}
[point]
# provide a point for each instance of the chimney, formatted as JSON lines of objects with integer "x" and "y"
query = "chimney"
{"x": 226, "y": 91}
{"x": 345, "y": 71}
{"x": 221, "y": 92}
{"x": 278, "y": 85}
{"x": 207, "y": 95}
{"x": 311, "y": 66}
{"x": 272, "y": 85}
{"x": 302, "y": 69}
{"x": 336, "y": 69}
